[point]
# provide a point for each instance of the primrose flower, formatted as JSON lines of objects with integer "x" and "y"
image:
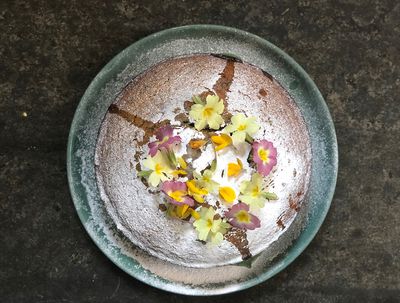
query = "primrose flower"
{"x": 208, "y": 228}
{"x": 197, "y": 144}
{"x": 179, "y": 211}
{"x": 221, "y": 141}
{"x": 159, "y": 167}
{"x": 208, "y": 114}
{"x": 251, "y": 192}
{"x": 264, "y": 155}
{"x": 165, "y": 139}
{"x": 205, "y": 180}
{"x": 234, "y": 169}
{"x": 177, "y": 193}
{"x": 195, "y": 191}
{"x": 227, "y": 194}
{"x": 240, "y": 217}
{"x": 240, "y": 127}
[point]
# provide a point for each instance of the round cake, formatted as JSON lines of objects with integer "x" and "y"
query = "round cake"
{"x": 203, "y": 161}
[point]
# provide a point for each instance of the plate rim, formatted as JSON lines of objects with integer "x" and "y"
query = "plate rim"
{"x": 296, "y": 248}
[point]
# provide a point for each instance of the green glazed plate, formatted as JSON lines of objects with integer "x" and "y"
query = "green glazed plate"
{"x": 181, "y": 41}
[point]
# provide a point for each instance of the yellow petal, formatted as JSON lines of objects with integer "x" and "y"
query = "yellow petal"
{"x": 179, "y": 172}
{"x": 221, "y": 141}
{"x": 181, "y": 210}
{"x": 234, "y": 169}
{"x": 198, "y": 198}
{"x": 194, "y": 189}
{"x": 194, "y": 214}
{"x": 227, "y": 193}
{"x": 182, "y": 163}
{"x": 196, "y": 144}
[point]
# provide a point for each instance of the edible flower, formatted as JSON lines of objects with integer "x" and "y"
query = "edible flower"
{"x": 182, "y": 163}
{"x": 264, "y": 155}
{"x": 240, "y": 217}
{"x": 234, "y": 169}
{"x": 177, "y": 193}
{"x": 208, "y": 227}
{"x": 197, "y": 144}
{"x": 240, "y": 127}
{"x": 196, "y": 191}
{"x": 221, "y": 141}
{"x": 205, "y": 180}
{"x": 179, "y": 211}
{"x": 252, "y": 193}
{"x": 179, "y": 172}
{"x": 227, "y": 193}
{"x": 159, "y": 167}
{"x": 165, "y": 139}
{"x": 208, "y": 114}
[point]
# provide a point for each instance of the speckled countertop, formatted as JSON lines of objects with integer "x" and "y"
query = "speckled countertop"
{"x": 50, "y": 51}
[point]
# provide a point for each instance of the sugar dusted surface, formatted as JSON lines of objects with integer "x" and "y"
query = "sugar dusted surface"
{"x": 154, "y": 96}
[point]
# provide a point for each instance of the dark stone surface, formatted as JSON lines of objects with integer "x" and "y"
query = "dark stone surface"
{"x": 50, "y": 51}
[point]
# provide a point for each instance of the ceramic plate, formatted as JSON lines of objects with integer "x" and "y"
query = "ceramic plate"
{"x": 149, "y": 82}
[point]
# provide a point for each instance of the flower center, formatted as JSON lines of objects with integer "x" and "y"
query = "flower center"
{"x": 208, "y": 111}
{"x": 158, "y": 169}
{"x": 209, "y": 223}
{"x": 263, "y": 154}
{"x": 255, "y": 191}
{"x": 177, "y": 195}
{"x": 242, "y": 127}
{"x": 243, "y": 217}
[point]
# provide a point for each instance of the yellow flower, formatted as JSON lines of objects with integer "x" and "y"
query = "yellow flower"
{"x": 179, "y": 211}
{"x": 179, "y": 172}
{"x": 234, "y": 169}
{"x": 227, "y": 193}
{"x": 182, "y": 163}
{"x": 240, "y": 127}
{"x": 205, "y": 181}
{"x": 221, "y": 141}
{"x": 208, "y": 228}
{"x": 208, "y": 114}
{"x": 251, "y": 192}
{"x": 195, "y": 191}
{"x": 159, "y": 167}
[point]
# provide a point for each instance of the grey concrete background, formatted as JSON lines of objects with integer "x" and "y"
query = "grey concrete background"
{"x": 50, "y": 51}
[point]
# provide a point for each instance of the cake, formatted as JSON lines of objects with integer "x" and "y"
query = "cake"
{"x": 203, "y": 161}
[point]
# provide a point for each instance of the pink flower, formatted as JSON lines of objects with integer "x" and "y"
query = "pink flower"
{"x": 264, "y": 155}
{"x": 240, "y": 217}
{"x": 177, "y": 193}
{"x": 165, "y": 139}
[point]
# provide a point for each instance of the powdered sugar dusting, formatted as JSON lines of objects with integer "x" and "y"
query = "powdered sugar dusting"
{"x": 135, "y": 209}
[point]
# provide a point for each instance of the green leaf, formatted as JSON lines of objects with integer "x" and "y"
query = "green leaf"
{"x": 144, "y": 173}
{"x": 197, "y": 100}
{"x": 270, "y": 196}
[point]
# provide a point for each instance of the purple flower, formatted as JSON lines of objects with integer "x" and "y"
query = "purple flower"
{"x": 264, "y": 155}
{"x": 177, "y": 193}
{"x": 165, "y": 139}
{"x": 240, "y": 217}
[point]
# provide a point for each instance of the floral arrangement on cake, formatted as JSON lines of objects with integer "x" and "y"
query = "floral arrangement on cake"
{"x": 211, "y": 171}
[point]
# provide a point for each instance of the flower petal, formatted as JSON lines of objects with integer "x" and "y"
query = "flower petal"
{"x": 200, "y": 124}
{"x": 196, "y": 111}
{"x": 227, "y": 193}
{"x": 238, "y": 137}
{"x": 154, "y": 179}
{"x": 215, "y": 121}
